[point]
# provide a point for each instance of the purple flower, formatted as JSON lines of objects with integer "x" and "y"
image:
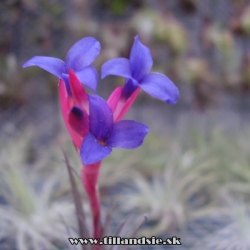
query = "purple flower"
{"x": 105, "y": 134}
{"x": 79, "y": 58}
{"x": 137, "y": 72}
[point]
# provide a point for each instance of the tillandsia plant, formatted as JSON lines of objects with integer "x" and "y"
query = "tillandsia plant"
{"x": 96, "y": 125}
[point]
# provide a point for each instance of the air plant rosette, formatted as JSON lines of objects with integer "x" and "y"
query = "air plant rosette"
{"x": 95, "y": 125}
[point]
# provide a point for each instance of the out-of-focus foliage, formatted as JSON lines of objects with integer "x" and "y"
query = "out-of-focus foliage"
{"x": 245, "y": 20}
{"x": 237, "y": 228}
{"x": 195, "y": 181}
{"x": 176, "y": 180}
{"x": 203, "y": 43}
{"x": 35, "y": 210}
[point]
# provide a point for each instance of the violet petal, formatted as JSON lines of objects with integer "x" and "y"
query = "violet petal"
{"x": 53, "y": 65}
{"x": 127, "y": 134}
{"x": 140, "y": 59}
{"x": 92, "y": 151}
{"x": 89, "y": 77}
{"x": 83, "y": 53}
{"x": 117, "y": 67}
{"x": 161, "y": 87}
{"x": 100, "y": 116}
{"x": 129, "y": 88}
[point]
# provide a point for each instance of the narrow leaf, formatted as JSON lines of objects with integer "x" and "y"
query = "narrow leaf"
{"x": 107, "y": 221}
{"x": 126, "y": 227}
{"x": 71, "y": 247}
{"x": 83, "y": 231}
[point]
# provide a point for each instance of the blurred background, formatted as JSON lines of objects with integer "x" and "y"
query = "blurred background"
{"x": 191, "y": 176}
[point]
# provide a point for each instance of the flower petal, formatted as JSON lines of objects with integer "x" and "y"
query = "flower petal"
{"x": 117, "y": 67}
{"x": 100, "y": 117}
{"x": 123, "y": 107}
{"x": 65, "y": 103}
{"x": 89, "y": 77}
{"x": 140, "y": 59}
{"x": 83, "y": 53}
{"x": 129, "y": 88}
{"x": 53, "y": 65}
{"x": 120, "y": 105}
{"x": 127, "y": 134}
{"x": 79, "y": 121}
{"x": 92, "y": 151}
{"x": 114, "y": 98}
{"x": 79, "y": 94}
{"x": 161, "y": 87}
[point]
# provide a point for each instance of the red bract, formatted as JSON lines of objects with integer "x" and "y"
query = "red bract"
{"x": 94, "y": 132}
{"x": 74, "y": 108}
{"x": 119, "y": 105}
{"x": 75, "y": 112}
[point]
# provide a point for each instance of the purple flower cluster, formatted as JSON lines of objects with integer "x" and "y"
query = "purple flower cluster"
{"x": 94, "y": 124}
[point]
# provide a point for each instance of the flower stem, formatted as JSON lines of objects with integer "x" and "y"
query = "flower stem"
{"x": 89, "y": 175}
